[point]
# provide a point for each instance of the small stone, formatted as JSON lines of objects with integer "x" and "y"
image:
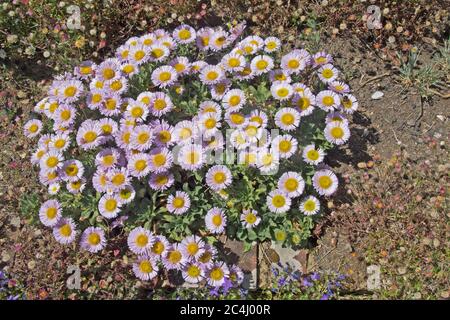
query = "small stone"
{"x": 440, "y": 117}
{"x": 437, "y": 135}
{"x": 401, "y": 270}
{"x": 377, "y": 95}
{"x": 434, "y": 214}
{"x": 436, "y": 243}
{"x": 417, "y": 295}
{"x": 362, "y": 165}
{"x": 426, "y": 241}
{"x": 31, "y": 265}
{"x": 445, "y": 294}
{"x": 15, "y": 221}
{"x": 5, "y": 256}
{"x": 21, "y": 94}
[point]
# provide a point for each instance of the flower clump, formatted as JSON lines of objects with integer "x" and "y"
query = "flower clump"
{"x": 187, "y": 136}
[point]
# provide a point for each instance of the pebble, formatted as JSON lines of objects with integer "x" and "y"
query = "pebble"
{"x": 21, "y": 94}
{"x": 426, "y": 241}
{"x": 417, "y": 295}
{"x": 436, "y": 243}
{"x": 31, "y": 265}
{"x": 362, "y": 165}
{"x": 5, "y": 256}
{"x": 440, "y": 117}
{"x": 377, "y": 95}
{"x": 401, "y": 270}
{"x": 15, "y": 221}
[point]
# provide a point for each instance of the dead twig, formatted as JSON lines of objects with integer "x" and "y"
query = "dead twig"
{"x": 375, "y": 78}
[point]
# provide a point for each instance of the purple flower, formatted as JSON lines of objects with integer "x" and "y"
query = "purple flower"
{"x": 315, "y": 276}
{"x": 325, "y": 297}
{"x": 307, "y": 283}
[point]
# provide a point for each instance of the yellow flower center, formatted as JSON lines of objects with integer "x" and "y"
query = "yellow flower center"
{"x": 52, "y": 162}
{"x": 257, "y": 119}
{"x": 192, "y": 157}
{"x": 280, "y": 77}
{"x": 157, "y": 53}
{"x": 65, "y": 114}
{"x": 71, "y": 170}
{"x": 234, "y": 62}
{"x": 140, "y": 165}
{"x": 109, "y": 73}
{"x": 159, "y": 160}
{"x": 212, "y": 75}
{"x": 216, "y": 274}
{"x": 129, "y": 68}
{"x": 118, "y": 179}
{"x": 65, "y": 230}
{"x": 116, "y": 85}
{"x": 325, "y": 182}
{"x": 85, "y": 70}
{"x": 321, "y": 60}
{"x": 108, "y": 159}
{"x": 328, "y": 101}
{"x": 251, "y": 131}
{"x": 285, "y": 145}
{"x": 267, "y": 159}
{"x": 94, "y": 239}
{"x": 165, "y": 136}
{"x": 179, "y": 67}
{"x": 220, "y": 41}
{"x": 60, "y": 143}
{"x": 337, "y": 132}
{"x": 184, "y": 34}
{"x": 139, "y": 55}
{"x": 159, "y": 104}
{"x": 142, "y": 240}
{"x": 262, "y": 64}
{"x": 70, "y": 91}
{"x": 303, "y": 103}
{"x": 310, "y": 205}
{"x": 237, "y": 118}
{"x": 110, "y": 204}
{"x": 271, "y": 45}
{"x": 217, "y": 220}
{"x": 178, "y": 202}
{"x": 51, "y": 213}
{"x": 205, "y": 257}
{"x": 250, "y": 218}
{"x": 282, "y": 92}
{"x": 145, "y": 266}
{"x": 210, "y": 123}
{"x": 235, "y": 100}
{"x": 111, "y": 104}
{"x": 193, "y": 271}
{"x": 312, "y": 155}
{"x": 327, "y": 73}
{"x": 125, "y": 194}
{"x": 192, "y": 248}
{"x": 278, "y": 201}
{"x": 185, "y": 133}
{"x": 90, "y": 136}
{"x": 219, "y": 177}
{"x": 280, "y": 235}
{"x": 143, "y": 137}
{"x": 161, "y": 180}
{"x": 165, "y": 76}
{"x": 96, "y": 98}
{"x": 287, "y": 119}
{"x": 291, "y": 184}
{"x": 174, "y": 257}
{"x": 33, "y": 128}
{"x": 106, "y": 129}
{"x": 52, "y": 108}
{"x": 293, "y": 64}
{"x": 158, "y": 247}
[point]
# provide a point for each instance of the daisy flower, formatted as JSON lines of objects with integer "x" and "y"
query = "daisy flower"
{"x": 287, "y": 119}
{"x": 161, "y": 181}
{"x": 139, "y": 54}
{"x": 160, "y": 160}
{"x": 65, "y": 115}
{"x": 117, "y": 178}
{"x": 218, "y": 40}
{"x": 89, "y": 135}
{"x": 219, "y": 89}
{"x": 337, "y": 132}
{"x": 164, "y": 76}
{"x": 313, "y": 155}
{"x": 272, "y": 44}
{"x": 250, "y": 218}
{"x": 141, "y": 137}
{"x": 145, "y": 98}
{"x": 203, "y": 38}
{"x": 76, "y": 186}
{"x": 158, "y": 51}
{"x": 285, "y": 145}
{"x": 210, "y": 123}
{"x": 54, "y": 188}
{"x": 327, "y": 73}
{"x": 100, "y": 180}
{"x": 238, "y": 139}
{"x": 211, "y": 74}
{"x": 93, "y": 239}
{"x": 140, "y": 240}
{"x": 184, "y": 34}
{"x": 129, "y": 69}
{"x": 145, "y": 268}
{"x": 209, "y": 107}
{"x": 181, "y": 65}
{"x": 248, "y": 48}
{"x": 85, "y": 69}
{"x": 148, "y": 39}
{"x": 178, "y": 203}
{"x": 64, "y": 231}
{"x": 70, "y": 91}
{"x": 281, "y": 90}
{"x": 107, "y": 158}
{"x": 278, "y": 201}
{"x": 139, "y": 165}
{"x": 217, "y": 274}
{"x": 185, "y": 132}
{"x": 327, "y": 100}
{"x": 164, "y": 134}
{"x": 108, "y": 69}
{"x": 50, "y": 213}
{"x": 322, "y": 58}
{"x": 111, "y": 105}
{"x": 310, "y": 206}
{"x": 126, "y": 194}
{"x": 248, "y": 157}
{"x": 252, "y": 132}
{"x": 259, "y": 117}
{"x": 160, "y": 104}
{"x": 336, "y": 116}
{"x": 108, "y": 126}
{"x": 196, "y": 66}
{"x": 117, "y": 86}
{"x": 293, "y": 62}
{"x": 325, "y": 182}
{"x": 51, "y": 161}
{"x": 349, "y": 104}
{"x": 236, "y": 119}
{"x": 233, "y": 100}
{"x": 215, "y": 220}
{"x": 261, "y": 64}
{"x": 109, "y": 206}
{"x": 279, "y": 75}
{"x": 160, "y": 246}
{"x": 37, "y": 155}
{"x": 291, "y": 183}
{"x": 174, "y": 259}
{"x": 233, "y": 62}
{"x": 72, "y": 170}
{"x": 304, "y": 102}
{"x": 236, "y": 275}
{"x": 192, "y": 272}
{"x": 191, "y": 157}
{"x": 192, "y": 247}
{"x": 32, "y": 128}
{"x": 267, "y": 161}
{"x": 339, "y": 87}
{"x": 246, "y": 74}
{"x": 255, "y": 40}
